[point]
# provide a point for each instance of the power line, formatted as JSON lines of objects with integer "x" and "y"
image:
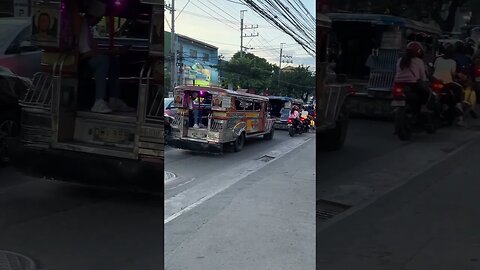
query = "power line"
{"x": 215, "y": 17}
{"x": 182, "y": 10}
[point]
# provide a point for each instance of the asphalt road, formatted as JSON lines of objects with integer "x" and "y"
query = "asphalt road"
{"x": 65, "y": 226}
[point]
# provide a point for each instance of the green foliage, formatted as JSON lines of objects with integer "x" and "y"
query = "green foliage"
{"x": 251, "y": 71}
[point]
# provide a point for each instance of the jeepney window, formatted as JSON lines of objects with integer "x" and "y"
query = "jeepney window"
{"x": 243, "y": 105}
{"x": 248, "y": 105}
{"x": 257, "y": 106}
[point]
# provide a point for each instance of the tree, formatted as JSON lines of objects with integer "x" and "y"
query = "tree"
{"x": 298, "y": 82}
{"x": 249, "y": 71}
{"x": 254, "y": 72}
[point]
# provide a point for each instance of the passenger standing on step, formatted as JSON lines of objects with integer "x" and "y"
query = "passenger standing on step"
{"x": 197, "y": 113}
{"x": 100, "y": 63}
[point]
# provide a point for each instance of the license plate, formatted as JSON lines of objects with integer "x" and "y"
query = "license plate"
{"x": 398, "y": 103}
{"x": 289, "y": 125}
{"x": 112, "y": 135}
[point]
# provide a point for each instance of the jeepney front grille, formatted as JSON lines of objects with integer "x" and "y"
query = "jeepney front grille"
{"x": 39, "y": 94}
{"x": 177, "y": 121}
{"x": 217, "y": 125}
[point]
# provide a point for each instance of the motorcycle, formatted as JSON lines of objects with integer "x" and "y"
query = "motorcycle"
{"x": 295, "y": 126}
{"x": 306, "y": 123}
{"x": 446, "y": 97}
{"x": 409, "y": 117}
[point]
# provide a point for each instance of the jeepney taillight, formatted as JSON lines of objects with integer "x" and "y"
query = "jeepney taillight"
{"x": 477, "y": 72}
{"x": 398, "y": 91}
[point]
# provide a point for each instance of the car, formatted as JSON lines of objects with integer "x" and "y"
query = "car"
{"x": 16, "y": 51}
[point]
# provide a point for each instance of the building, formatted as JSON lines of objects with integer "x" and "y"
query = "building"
{"x": 196, "y": 61}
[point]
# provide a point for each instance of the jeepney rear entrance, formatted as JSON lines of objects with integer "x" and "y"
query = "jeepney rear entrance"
{"x": 57, "y": 122}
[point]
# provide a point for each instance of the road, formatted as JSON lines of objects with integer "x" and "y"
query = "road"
{"x": 424, "y": 215}
{"x": 221, "y": 211}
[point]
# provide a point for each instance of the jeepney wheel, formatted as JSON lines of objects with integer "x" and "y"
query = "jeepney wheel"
{"x": 333, "y": 139}
{"x": 269, "y": 135}
{"x": 239, "y": 143}
{"x": 8, "y": 128}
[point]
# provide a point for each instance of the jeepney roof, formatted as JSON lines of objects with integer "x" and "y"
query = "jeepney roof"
{"x": 220, "y": 90}
{"x": 382, "y": 19}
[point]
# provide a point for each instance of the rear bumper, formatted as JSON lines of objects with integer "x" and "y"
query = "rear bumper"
{"x": 195, "y": 146}
{"x": 88, "y": 169}
{"x": 281, "y": 125}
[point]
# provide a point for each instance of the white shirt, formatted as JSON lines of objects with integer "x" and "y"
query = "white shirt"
{"x": 444, "y": 69}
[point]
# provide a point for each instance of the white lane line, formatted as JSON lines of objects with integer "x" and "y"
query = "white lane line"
{"x": 191, "y": 198}
{"x": 182, "y": 184}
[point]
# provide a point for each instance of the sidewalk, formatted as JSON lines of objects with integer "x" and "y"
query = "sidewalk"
{"x": 432, "y": 222}
{"x": 269, "y": 222}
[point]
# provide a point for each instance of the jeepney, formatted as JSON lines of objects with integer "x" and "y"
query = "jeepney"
{"x": 366, "y": 47}
{"x": 60, "y": 137}
{"x": 280, "y": 109}
{"x": 332, "y": 96}
{"x": 228, "y": 117}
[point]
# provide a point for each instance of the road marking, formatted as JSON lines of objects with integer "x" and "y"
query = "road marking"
{"x": 182, "y": 184}
{"x": 191, "y": 198}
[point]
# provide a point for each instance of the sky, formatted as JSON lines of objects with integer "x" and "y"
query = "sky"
{"x": 217, "y": 22}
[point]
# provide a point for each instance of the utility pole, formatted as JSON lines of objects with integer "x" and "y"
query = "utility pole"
{"x": 173, "y": 52}
{"x": 244, "y": 27}
{"x": 280, "y": 63}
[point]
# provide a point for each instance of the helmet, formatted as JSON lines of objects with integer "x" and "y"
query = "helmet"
{"x": 416, "y": 48}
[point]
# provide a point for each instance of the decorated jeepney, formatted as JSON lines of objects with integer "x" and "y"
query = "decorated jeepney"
{"x": 60, "y": 136}
{"x": 365, "y": 49}
{"x": 223, "y": 117}
{"x": 332, "y": 95}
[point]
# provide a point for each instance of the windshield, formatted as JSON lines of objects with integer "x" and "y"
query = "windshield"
{"x": 168, "y": 103}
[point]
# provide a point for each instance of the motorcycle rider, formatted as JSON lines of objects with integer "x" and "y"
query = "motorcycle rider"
{"x": 411, "y": 70}
{"x": 294, "y": 112}
{"x": 295, "y": 115}
{"x": 445, "y": 71}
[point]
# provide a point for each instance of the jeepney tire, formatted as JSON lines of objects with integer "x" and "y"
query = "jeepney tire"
{"x": 269, "y": 136}
{"x": 7, "y": 118}
{"x": 334, "y": 139}
{"x": 239, "y": 142}
{"x": 401, "y": 125}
